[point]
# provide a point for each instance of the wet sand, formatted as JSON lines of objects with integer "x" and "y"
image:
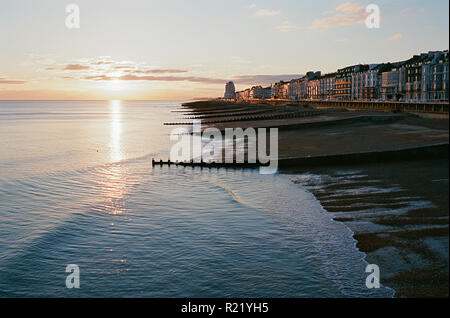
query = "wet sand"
{"x": 399, "y": 215}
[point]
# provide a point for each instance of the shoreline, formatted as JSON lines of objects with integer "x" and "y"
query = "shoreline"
{"x": 399, "y": 222}
{"x": 396, "y": 205}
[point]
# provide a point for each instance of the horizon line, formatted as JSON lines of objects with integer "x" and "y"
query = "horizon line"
{"x": 100, "y": 100}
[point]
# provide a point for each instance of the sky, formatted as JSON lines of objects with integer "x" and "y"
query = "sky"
{"x": 173, "y": 49}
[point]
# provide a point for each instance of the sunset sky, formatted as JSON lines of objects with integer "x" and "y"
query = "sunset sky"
{"x": 141, "y": 49}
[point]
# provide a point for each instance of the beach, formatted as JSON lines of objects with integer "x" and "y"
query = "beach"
{"x": 396, "y": 204}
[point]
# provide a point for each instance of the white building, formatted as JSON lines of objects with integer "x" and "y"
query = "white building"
{"x": 390, "y": 85}
{"x": 229, "y": 91}
{"x": 326, "y": 83}
{"x": 256, "y": 92}
{"x": 435, "y": 72}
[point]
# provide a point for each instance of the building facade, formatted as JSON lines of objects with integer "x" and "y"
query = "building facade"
{"x": 256, "y": 92}
{"x": 229, "y": 91}
{"x": 267, "y": 92}
{"x": 326, "y": 83}
{"x": 435, "y": 72}
{"x": 390, "y": 85}
{"x": 280, "y": 90}
{"x": 343, "y": 83}
{"x": 366, "y": 84}
{"x": 422, "y": 78}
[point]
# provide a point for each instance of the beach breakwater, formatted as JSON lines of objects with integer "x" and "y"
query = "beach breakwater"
{"x": 438, "y": 151}
{"x": 404, "y": 154}
{"x": 414, "y": 107}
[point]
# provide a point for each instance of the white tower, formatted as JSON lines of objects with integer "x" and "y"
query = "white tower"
{"x": 229, "y": 91}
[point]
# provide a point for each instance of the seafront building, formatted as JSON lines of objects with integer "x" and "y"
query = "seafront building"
{"x": 344, "y": 85}
{"x": 267, "y": 92}
{"x": 366, "y": 84}
{"x": 435, "y": 71}
{"x": 280, "y": 90}
{"x": 422, "y": 78}
{"x": 301, "y": 88}
{"x": 229, "y": 91}
{"x": 390, "y": 85}
{"x": 326, "y": 84}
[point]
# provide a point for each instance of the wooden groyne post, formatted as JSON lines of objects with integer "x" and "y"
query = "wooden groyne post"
{"x": 204, "y": 164}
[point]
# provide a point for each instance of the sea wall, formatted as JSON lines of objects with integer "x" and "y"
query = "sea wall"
{"x": 414, "y": 153}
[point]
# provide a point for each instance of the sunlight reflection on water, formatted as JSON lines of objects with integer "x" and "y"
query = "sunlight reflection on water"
{"x": 115, "y": 107}
{"x": 113, "y": 188}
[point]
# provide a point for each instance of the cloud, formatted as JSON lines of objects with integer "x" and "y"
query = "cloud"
{"x": 102, "y": 63}
{"x": 239, "y": 60}
{"x": 347, "y": 13}
{"x": 98, "y": 78}
{"x": 396, "y": 37}
{"x": 75, "y": 67}
{"x": 106, "y": 69}
{"x": 8, "y": 81}
{"x": 159, "y": 71}
{"x": 263, "y": 79}
{"x": 95, "y": 68}
{"x": 173, "y": 79}
{"x": 251, "y": 6}
{"x": 286, "y": 26}
{"x": 194, "y": 79}
{"x": 239, "y": 79}
{"x": 69, "y": 67}
{"x": 267, "y": 13}
{"x": 121, "y": 67}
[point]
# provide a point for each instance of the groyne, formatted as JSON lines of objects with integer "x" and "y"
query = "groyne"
{"x": 414, "y": 107}
{"x": 437, "y": 151}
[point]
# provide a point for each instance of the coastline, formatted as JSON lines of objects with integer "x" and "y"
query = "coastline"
{"x": 402, "y": 224}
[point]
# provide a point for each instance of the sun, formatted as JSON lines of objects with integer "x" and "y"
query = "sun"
{"x": 115, "y": 88}
{"x": 116, "y": 84}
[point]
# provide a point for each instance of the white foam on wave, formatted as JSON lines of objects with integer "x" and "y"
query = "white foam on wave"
{"x": 296, "y": 208}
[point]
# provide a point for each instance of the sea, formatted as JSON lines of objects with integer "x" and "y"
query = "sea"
{"x": 77, "y": 187}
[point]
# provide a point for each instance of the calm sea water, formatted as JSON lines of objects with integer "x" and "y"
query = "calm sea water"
{"x": 77, "y": 187}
